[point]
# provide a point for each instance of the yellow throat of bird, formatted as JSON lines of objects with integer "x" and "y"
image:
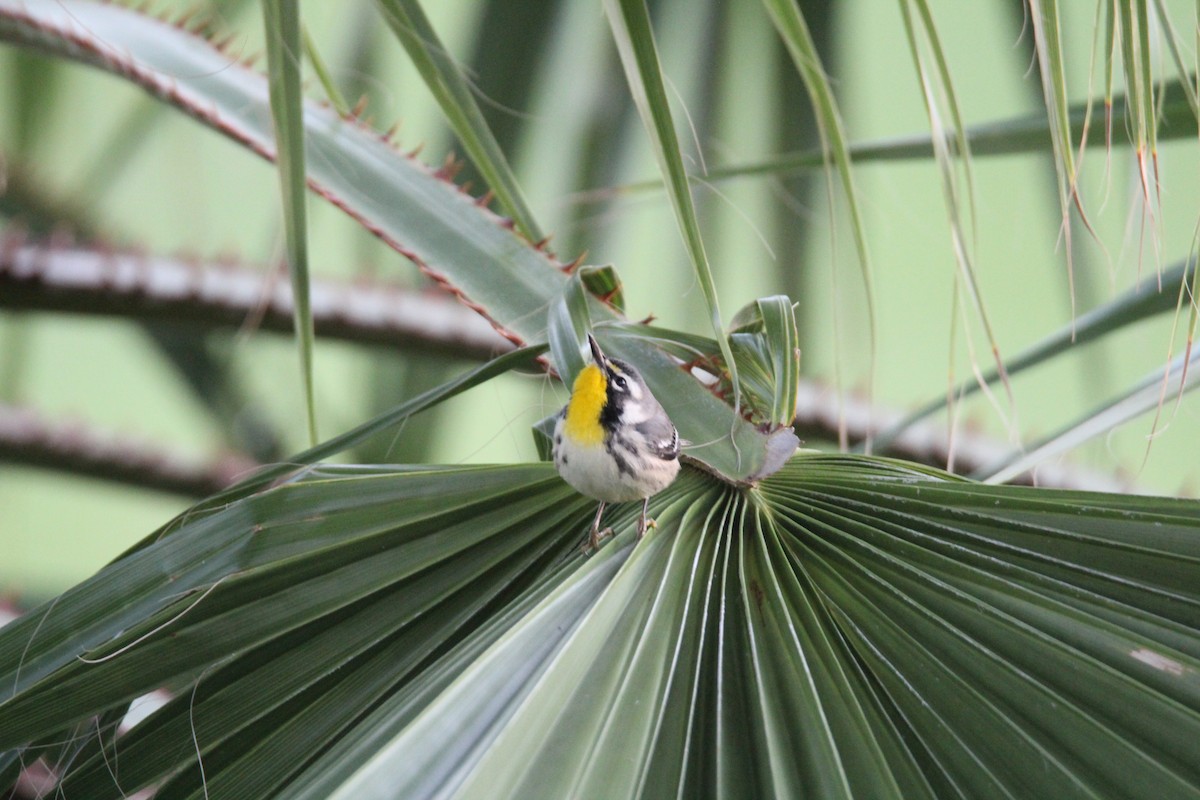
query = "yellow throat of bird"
{"x": 588, "y": 396}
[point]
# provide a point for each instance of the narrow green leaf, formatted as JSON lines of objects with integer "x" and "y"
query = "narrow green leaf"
{"x": 782, "y": 654}
{"x": 767, "y": 346}
{"x": 1047, "y": 42}
{"x": 571, "y": 318}
{"x": 1163, "y": 17}
{"x": 630, "y": 21}
{"x": 605, "y": 284}
{"x": 517, "y": 359}
{"x": 570, "y": 323}
{"x": 1138, "y": 45}
{"x": 453, "y": 93}
{"x": 1130, "y": 38}
{"x": 318, "y": 64}
{"x": 281, "y": 21}
{"x": 794, "y": 32}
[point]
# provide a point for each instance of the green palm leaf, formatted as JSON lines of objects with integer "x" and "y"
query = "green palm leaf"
{"x": 282, "y": 24}
{"x": 852, "y": 627}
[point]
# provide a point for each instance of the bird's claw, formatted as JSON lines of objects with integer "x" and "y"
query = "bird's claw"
{"x": 645, "y": 525}
{"x": 594, "y": 539}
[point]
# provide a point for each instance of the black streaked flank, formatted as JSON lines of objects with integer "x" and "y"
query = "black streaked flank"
{"x": 622, "y": 465}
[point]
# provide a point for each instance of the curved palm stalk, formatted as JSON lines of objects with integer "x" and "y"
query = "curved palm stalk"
{"x": 854, "y": 627}
{"x": 30, "y": 439}
{"x": 41, "y": 276}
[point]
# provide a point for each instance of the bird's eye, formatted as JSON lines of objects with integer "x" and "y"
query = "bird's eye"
{"x": 619, "y": 383}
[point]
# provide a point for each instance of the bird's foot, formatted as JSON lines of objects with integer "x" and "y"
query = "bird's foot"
{"x": 645, "y": 525}
{"x": 594, "y": 539}
{"x": 643, "y": 522}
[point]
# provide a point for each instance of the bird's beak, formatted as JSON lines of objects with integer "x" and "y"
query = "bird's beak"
{"x": 596, "y": 352}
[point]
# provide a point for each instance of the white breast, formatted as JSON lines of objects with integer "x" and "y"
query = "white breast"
{"x": 593, "y": 470}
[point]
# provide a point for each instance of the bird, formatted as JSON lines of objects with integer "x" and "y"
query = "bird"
{"x": 613, "y": 441}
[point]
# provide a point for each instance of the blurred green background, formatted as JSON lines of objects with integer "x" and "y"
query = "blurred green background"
{"x": 102, "y": 156}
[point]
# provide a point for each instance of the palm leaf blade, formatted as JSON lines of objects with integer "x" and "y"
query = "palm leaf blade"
{"x": 852, "y": 626}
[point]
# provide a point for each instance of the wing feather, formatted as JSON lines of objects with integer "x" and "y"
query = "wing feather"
{"x": 661, "y": 437}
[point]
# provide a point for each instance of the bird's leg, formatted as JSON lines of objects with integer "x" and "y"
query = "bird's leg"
{"x": 643, "y": 524}
{"x": 596, "y": 534}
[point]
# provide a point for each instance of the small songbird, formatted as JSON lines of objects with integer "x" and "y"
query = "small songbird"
{"x": 612, "y": 440}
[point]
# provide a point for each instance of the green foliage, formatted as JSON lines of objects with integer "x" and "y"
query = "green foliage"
{"x": 281, "y": 21}
{"x": 852, "y": 627}
{"x": 816, "y": 624}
